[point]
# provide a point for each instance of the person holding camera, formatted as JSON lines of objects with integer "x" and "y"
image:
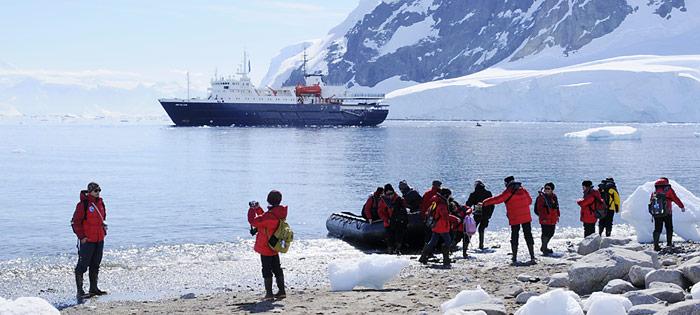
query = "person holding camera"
{"x": 547, "y": 209}
{"x": 591, "y": 198}
{"x": 263, "y": 225}
{"x": 90, "y": 226}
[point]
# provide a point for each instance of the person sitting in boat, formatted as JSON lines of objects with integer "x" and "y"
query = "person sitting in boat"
{"x": 392, "y": 210}
{"x": 440, "y": 221}
{"x": 412, "y": 197}
{"x": 370, "y": 211}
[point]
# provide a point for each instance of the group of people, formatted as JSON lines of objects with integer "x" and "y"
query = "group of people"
{"x": 446, "y": 219}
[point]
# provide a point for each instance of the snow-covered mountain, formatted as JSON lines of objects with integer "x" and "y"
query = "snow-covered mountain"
{"x": 473, "y": 57}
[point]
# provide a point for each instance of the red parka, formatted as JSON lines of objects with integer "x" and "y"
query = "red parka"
{"x": 663, "y": 184}
{"x": 266, "y": 223}
{"x": 385, "y": 212}
{"x": 442, "y": 216}
{"x": 587, "y": 204}
{"x": 89, "y": 223}
{"x": 547, "y": 209}
{"x": 372, "y": 201}
{"x": 427, "y": 201}
{"x": 517, "y": 207}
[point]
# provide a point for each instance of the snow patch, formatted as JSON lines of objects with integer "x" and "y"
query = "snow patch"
{"x": 600, "y": 303}
{"x": 555, "y": 302}
{"x": 27, "y": 306}
{"x": 695, "y": 291}
{"x": 685, "y": 224}
{"x": 409, "y": 35}
{"x": 607, "y": 133}
{"x": 372, "y": 271}
{"x": 465, "y": 297}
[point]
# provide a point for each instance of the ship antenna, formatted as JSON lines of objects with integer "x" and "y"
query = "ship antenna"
{"x": 188, "y": 85}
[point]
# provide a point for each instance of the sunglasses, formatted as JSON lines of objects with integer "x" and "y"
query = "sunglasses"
{"x": 97, "y": 190}
{"x": 548, "y": 189}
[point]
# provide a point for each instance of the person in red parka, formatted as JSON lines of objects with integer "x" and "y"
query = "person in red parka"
{"x": 517, "y": 201}
{"x": 663, "y": 188}
{"x": 439, "y": 214}
{"x": 370, "y": 210}
{"x": 425, "y": 204}
{"x": 266, "y": 222}
{"x": 547, "y": 208}
{"x": 591, "y": 198}
{"x": 392, "y": 209}
{"x": 90, "y": 226}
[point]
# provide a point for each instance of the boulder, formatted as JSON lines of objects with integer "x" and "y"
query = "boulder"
{"x": 657, "y": 284}
{"x": 637, "y": 275}
{"x": 691, "y": 271}
{"x": 690, "y": 307}
{"x": 618, "y": 286}
{"x": 646, "y": 309}
{"x": 524, "y": 296}
{"x": 614, "y": 241}
{"x": 488, "y": 308}
{"x": 593, "y": 271}
{"x": 527, "y": 278}
{"x": 589, "y": 244}
{"x": 641, "y": 298}
{"x": 559, "y": 280}
{"x": 670, "y": 295}
{"x": 668, "y": 262}
{"x": 665, "y": 275}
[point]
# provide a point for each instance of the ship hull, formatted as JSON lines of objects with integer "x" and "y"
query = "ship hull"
{"x": 184, "y": 113}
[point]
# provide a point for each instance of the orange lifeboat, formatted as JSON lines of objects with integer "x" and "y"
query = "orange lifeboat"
{"x": 308, "y": 90}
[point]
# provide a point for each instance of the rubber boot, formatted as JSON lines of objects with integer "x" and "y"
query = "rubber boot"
{"x": 481, "y": 241}
{"x": 281, "y": 294}
{"x": 80, "y": 293}
{"x": 268, "y": 289}
{"x": 543, "y": 248}
{"x": 446, "y": 257}
{"x": 514, "y": 249}
{"x": 424, "y": 255}
{"x": 94, "y": 290}
{"x": 465, "y": 246}
{"x": 669, "y": 239}
{"x": 531, "y": 249}
{"x": 656, "y": 241}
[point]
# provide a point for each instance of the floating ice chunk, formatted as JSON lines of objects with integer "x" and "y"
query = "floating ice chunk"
{"x": 372, "y": 271}
{"x": 19, "y": 151}
{"x": 607, "y": 304}
{"x": 465, "y": 297}
{"x": 635, "y": 211}
{"x": 555, "y": 302}
{"x": 697, "y": 134}
{"x": 27, "y": 306}
{"x": 607, "y": 133}
{"x": 695, "y": 291}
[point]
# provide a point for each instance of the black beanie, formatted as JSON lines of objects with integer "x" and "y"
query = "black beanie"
{"x": 550, "y": 185}
{"x": 274, "y": 198}
{"x": 388, "y": 188}
{"x": 92, "y": 186}
{"x": 587, "y": 183}
{"x": 445, "y": 192}
{"x": 437, "y": 183}
{"x": 508, "y": 179}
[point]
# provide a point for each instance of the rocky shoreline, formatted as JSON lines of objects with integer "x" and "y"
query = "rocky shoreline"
{"x": 654, "y": 283}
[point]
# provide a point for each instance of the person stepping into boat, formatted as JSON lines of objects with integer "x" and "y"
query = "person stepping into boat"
{"x": 517, "y": 201}
{"x": 439, "y": 220}
{"x": 370, "y": 211}
{"x": 392, "y": 209}
{"x": 90, "y": 226}
{"x": 481, "y": 215}
{"x": 411, "y": 196}
{"x": 266, "y": 222}
{"x": 547, "y": 208}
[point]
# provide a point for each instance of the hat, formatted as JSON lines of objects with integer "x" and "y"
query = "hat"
{"x": 445, "y": 192}
{"x": 388, "y": 188}
{"x": 437, "y": 183}
{"x": 274, "y": 198}
{"x": 379, "y": 191}
{"x": 479, "y": 182}
{"x": 403, "y": 185}
{"x": 509, "y": 179}
{"x": 92, "y": 186}
{"x": 550, "y": 185}
{"x": 587, "y": 183}
{"x": 610, "y": 179}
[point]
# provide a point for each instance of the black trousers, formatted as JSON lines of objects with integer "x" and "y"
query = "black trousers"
{"x": 89, "y": 256}
{"x": 271, "y": 265}
{"x": 527, "y": 232}
{"x": 395, "y": 235}
{"x": 659, "y": 224}
{"x": 588, "y": 229}
{"x": 548, "y": 231}
{"x": 605, "y": 224}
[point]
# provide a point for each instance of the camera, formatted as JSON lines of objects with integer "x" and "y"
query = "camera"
{"x": 253, "y": 204}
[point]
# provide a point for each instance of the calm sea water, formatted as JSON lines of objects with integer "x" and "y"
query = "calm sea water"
{"x": 166, "y": 185}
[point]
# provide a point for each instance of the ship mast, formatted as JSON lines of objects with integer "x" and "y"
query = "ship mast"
{"x": 242, "y": 71}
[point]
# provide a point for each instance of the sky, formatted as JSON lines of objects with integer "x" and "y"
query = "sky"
{"x": 158, "y": 40}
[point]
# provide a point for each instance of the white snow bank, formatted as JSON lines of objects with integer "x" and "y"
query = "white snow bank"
{"x": 465, "y": 297}
{"x": 685, "y": 224}
{"x": 607, "y": 133}
{"x": 372, "y": 271}
{"x": 600, "y": 303}
{"x": 695, "y": 291}
{"x": 555, "y": 302}
{"x": 27, "y": 306}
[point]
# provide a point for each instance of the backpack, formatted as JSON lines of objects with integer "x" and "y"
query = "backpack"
{"x": 605, "y": 194}
{"x": 430, "y": 220}
{"x": 657, "y": 204}
{"x": 282, "y": 238}
{"x": 600, "y": 209}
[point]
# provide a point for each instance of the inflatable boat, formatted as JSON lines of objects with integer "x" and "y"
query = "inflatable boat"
{"x": 356, "y": 229}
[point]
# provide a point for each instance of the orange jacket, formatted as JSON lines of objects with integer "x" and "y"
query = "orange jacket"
{"x": 266, "y": 223}
{"x": 517, "y": 207}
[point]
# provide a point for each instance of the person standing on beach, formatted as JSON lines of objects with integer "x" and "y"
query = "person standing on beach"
{"x": 439, "y": 214}
{"x": 266, "y": 222}
{"x": 483, "y": 215}
{"x": 608, "y": 191}
{"x": 591, "y": 198}
{"x": 425, "y": 205}
{"x": 90, "y": 226}
{"x": 517, "y": 201}
{"x": 664, "y": 196}
{"x": 547, "y": 208}
{"x": 392, "y": 209}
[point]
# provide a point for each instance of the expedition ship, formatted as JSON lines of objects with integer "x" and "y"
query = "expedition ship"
{"x": 237, "y": 102}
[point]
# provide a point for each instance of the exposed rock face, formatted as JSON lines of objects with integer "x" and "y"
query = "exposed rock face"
{"x": 558, "y": 280}
{"x": 589, "y": 244}
{"x": 637, "y": 275}
{"x": 592, "y": 272}
{"x": 666, "y": 276}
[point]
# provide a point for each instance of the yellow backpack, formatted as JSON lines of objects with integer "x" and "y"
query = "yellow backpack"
{"x": 282, "y": 238}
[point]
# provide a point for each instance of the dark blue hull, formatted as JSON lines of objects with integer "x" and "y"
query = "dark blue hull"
{"x": 184, "y": 113}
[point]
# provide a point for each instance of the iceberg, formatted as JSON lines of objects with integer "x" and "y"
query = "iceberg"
{"x": 555, "y": 302}
{"x": 685, "y": 224}
{"x": 27, "y": 305}
{"x": 607, "y": 304}
{"x": 465, "y": 297}
{"x": 607, "y": 133}
{"x": 372, "y": 271}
